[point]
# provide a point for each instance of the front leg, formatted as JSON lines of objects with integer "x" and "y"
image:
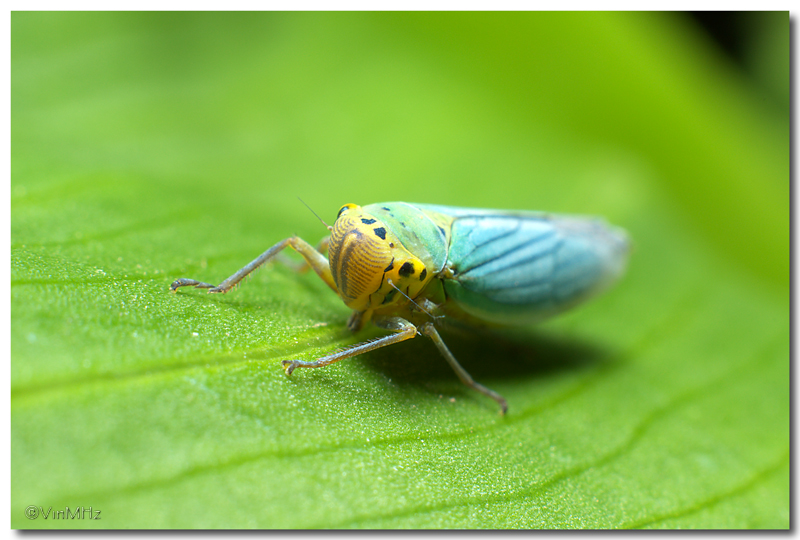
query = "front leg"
{"x": 403, "y": 330}
{"x": 314, "y": 258}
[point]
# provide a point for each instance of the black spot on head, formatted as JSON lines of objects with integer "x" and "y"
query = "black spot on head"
{"x": 423, "y": 274}
{"x": 380, "y": 232}
{"x": 366, "y": 221}
{"x": 407, "y": 269}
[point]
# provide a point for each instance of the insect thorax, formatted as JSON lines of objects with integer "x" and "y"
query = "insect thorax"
{"x": 369, "y": 264}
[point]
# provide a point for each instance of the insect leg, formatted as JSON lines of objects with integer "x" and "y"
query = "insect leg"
{"x": 403, "y": 330}
{"x": 303, "y": 266}
{"x": 314, "y": 258}
{"x": 429, "y": 330}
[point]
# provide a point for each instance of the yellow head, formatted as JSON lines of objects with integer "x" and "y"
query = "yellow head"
{"x": 366, "y": 259}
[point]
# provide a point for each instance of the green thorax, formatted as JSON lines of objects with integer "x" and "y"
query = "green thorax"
{"x": 424, "y": 233}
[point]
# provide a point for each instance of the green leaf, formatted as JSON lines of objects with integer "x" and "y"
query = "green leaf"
{"x": 147, "y": 147}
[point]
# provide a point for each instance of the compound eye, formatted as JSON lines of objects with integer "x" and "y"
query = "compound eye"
{"x": 412, "y": 268}
{"x": 407, "y": 269}
{"x": 346, "y": 208}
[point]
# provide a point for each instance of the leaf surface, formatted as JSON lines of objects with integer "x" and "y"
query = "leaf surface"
{"x": 147, "y": 147}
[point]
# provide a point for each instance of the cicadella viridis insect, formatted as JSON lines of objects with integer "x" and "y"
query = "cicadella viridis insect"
{"x": 408, "y": 267}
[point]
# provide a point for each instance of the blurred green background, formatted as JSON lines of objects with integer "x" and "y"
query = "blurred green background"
{"x": 151, "y": 146}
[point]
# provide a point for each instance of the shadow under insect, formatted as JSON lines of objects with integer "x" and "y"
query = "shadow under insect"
{"x": 489, "y": 355}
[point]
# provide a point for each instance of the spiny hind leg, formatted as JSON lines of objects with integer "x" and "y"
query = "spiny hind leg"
{"x": 313, "y": 258}
{"x": 429, "y": 330}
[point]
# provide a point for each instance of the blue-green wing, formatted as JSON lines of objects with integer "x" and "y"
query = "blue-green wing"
{"x": 522, "y": 267}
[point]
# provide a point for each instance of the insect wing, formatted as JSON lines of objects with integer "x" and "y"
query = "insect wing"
{"x": 514, "y": 268}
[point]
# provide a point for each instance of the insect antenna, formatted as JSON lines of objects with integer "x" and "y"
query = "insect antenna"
{"x": 422, "y": 309}
{"x": 312, "y": 211}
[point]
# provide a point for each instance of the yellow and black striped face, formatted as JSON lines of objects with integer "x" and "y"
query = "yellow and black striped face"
{"x": 369, "y": 264}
